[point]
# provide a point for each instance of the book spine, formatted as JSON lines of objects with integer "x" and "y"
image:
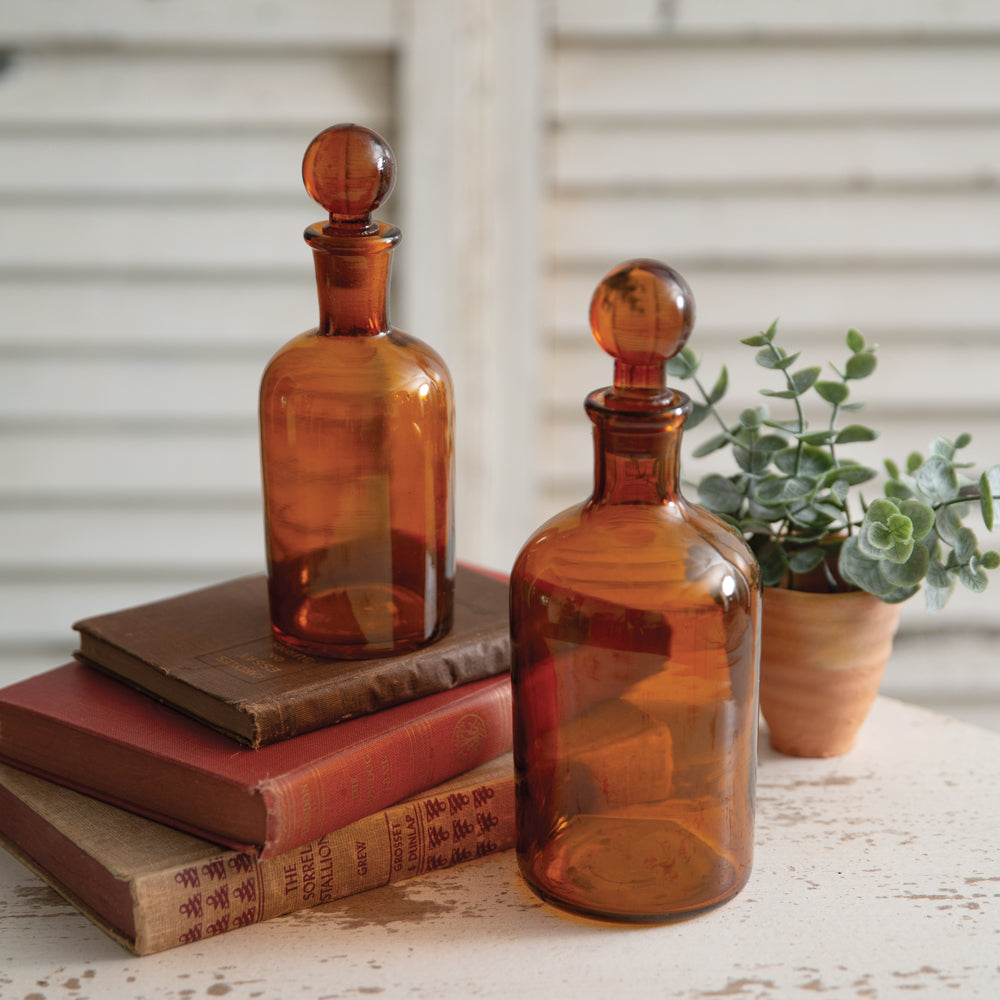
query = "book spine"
{"x": 231, "y": 890}
{"x": 345, "y": 787}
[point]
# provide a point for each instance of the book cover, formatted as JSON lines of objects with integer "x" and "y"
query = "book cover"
{"x": 210, "y": 653}
{"x": 151, "y": 887}
{"x": 83, "y": 729}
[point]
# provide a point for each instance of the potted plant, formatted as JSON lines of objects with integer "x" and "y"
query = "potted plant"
{"x": 835, "y": 562}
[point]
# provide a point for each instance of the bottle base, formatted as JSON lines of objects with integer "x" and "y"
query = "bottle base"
{"x": 628, "y": 870}
{"x": 358, "y": 622}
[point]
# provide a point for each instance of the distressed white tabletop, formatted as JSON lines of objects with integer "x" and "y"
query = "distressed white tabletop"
{"x": 876, "y": 874}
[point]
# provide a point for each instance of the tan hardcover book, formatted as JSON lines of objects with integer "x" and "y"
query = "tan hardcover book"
{"x": 152, "y": 887}
{"x": 210, "y": 653}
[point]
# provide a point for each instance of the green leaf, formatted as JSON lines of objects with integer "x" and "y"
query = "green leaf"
{"x": 684, "y": 364}
{"x": 779, "y": 393}
{"x": 816, "y": 437}
{"x": 763, "y": 338}
{"x": 938, "y": 585}
{"x": 860, "y": 365}
{"x": 769, "y": 357}
{"x": 937, "y": 597}
{"x": 835, "y": 393}
{"x": 840, "y": 489}
{"x": 771, "y": 443}
{"x": 805, "y": 560}
{"x": 720, "y": 494}
{"x": 991, "y": 559}
{"x": 938, "y": 576}
{"x": 963, "y": 440}
{"x": 698, "y": 413}
{"x": 911, "y": 572}
{"x": 711, "y": 445}
{"x": 855, "y": 341}
{"x": 787, "y": 361}
{"x": 850, "y": 473}
{"x": 891, "y": 468}
{"x": 965, "y": 544}
{"x": 803, "y": 379}
{"x": 921, "y": 517}
{"x": 773, "y": 563}
{"x": 986, "y": 500}
{"x": 865, "y": 573}
{"x": 947, "y": 523}
{"x": 752, "y": 417}
{"x": 752, "y": 462}
{"x": 881, "y": 510}
{"x": 973, "y": 578}
{"x": 720, "y": 387}
{"x": 805, "y": 461}
{"x": 897, "y": 490}
{"x": 913, "y": 461}
{"x": 901, "y": 527}
{"x": 785, "y": 489}
{"x": 937, "y": 479}
{"x": 943, "y": 447}
{"x": 854, "y": 433}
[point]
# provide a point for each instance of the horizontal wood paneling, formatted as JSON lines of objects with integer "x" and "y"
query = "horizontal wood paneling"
{"x": 195, "y": 391}
{"x": 304, "y": 24}
{"x": 82, "y": 313}
{"x": 773, "y": 18}
{"x": 788, "y": 156}
{"x": 43, "y": 541}
{"x": 865, "y": 78}
{"x": 835, "y": 228}
{"x": 93, "y": 87}
{"x": 144, "y": 164}
{"x": 132, "y": 460}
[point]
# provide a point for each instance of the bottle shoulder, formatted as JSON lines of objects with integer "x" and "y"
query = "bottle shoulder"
{"x": 628, "y": 546}
{"x": 393, "y": 361}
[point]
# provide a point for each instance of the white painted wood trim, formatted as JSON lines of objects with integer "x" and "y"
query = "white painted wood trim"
{"x": 471, "y": 117}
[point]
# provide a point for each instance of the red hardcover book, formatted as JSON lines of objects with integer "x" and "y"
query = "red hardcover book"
{"x": 82, "y": 729}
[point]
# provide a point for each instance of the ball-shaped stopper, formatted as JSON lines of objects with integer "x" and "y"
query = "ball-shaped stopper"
{"x": 350, "y": 171}
{"x": 642, "y": 314}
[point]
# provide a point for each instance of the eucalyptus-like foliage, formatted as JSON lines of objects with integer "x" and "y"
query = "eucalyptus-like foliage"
{"x": 795, "y": 495}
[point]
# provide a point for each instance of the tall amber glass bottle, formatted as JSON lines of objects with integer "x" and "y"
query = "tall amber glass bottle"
{"x": 635, "y": 629}
{"x": 357, "y": 437}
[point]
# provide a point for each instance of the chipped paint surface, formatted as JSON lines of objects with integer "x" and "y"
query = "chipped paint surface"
{"x": 876, "y": 875}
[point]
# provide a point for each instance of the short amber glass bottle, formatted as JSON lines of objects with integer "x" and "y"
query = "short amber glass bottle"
{"x": 635, "y": 631}
{"x": 357, "y": 438}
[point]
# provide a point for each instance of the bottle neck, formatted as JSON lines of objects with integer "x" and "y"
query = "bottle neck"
{"x": 637, "y": 454}
{"x": 352, "y": 280}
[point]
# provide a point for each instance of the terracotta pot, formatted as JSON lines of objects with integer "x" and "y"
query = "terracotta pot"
{"x": 822, "y": 660}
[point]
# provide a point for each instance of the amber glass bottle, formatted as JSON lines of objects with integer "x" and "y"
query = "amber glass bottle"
{"x": 357, "y": 438}
{"x": 635, "y": 630}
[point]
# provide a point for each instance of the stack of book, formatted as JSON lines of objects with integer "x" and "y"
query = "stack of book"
{"x": 187, "y": 775}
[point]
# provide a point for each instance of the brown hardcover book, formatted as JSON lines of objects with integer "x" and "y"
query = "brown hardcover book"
{"x": 210, "y": 653}
{"x": 152, "y": 888}
{"x": 85, "y": 730}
